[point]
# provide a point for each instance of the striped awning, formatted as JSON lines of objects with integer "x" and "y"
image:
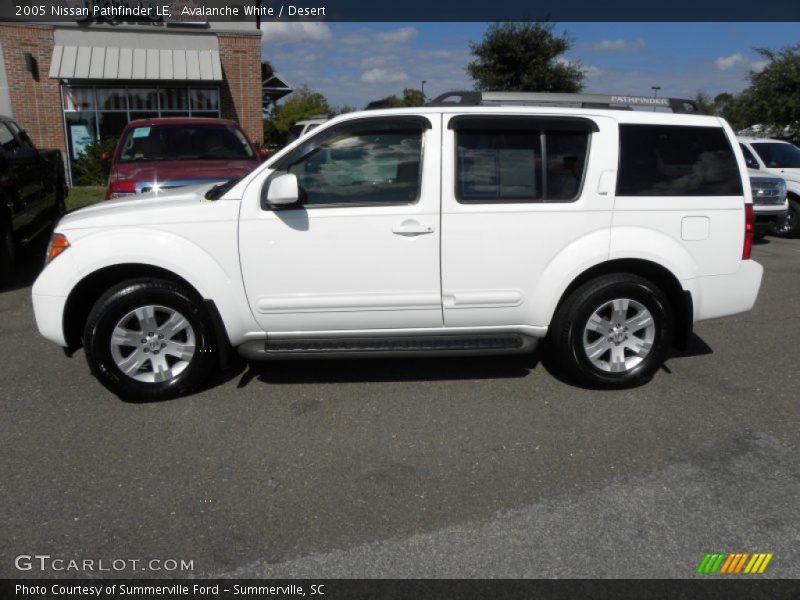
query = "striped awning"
{"x": 101, "y": 62}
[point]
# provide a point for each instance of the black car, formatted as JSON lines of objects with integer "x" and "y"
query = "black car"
{"x": 33, "y": 190}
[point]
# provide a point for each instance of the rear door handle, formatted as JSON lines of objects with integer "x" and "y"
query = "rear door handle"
{"x": 411, "y": 227}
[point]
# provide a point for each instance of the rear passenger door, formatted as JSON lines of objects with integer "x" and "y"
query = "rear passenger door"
{"x": 517, "y": 190}
{"x": 679, "y": 183}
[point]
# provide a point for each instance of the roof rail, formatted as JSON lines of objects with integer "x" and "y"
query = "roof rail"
{"x": 620, "y": 102}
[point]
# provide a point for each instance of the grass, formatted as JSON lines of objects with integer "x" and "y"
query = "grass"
{"x": 84, "y": 196}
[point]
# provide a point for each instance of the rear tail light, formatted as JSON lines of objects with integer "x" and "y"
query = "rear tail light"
{"x": 749, "y": 224}
{"x": 118, "y": 189}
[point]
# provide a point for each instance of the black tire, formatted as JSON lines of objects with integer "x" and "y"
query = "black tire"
{"x": 789, "y": 227}
{"x": 7, "y": 256}
{"x": 567, "y": 330}
{"x": 120, "y": 301}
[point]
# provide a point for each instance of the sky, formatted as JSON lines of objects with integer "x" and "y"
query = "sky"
{"x": 355, "y": 63}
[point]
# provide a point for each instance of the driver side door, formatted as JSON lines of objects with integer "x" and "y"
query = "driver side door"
{"x": 360, "y": 250}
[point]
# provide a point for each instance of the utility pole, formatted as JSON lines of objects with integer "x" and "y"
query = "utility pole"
{"x": 422, "y": 89}
{"x": 655, "y": 89}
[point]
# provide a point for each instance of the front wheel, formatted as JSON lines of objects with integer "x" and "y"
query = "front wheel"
{"x": 613, "y": 331}
{"x": 789, "y": 226}
{"x": 149, "y": 339}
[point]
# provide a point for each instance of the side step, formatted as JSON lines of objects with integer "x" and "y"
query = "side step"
{"x": 384, "y": 346}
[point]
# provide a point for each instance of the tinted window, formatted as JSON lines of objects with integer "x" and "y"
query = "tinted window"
{"x": 24, "y": 140}
{"x": 520, "y": 165}
{"x": 7, "y": 139}
{"x": 359, "y": 164}
{"x": 779, "y": 156}
{"x": 184, "y": 142}
{"x": 666, "y": 160}
{"x": 749, "y": 159}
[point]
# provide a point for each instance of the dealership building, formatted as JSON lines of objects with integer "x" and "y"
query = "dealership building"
{"x": 71, "y": 83}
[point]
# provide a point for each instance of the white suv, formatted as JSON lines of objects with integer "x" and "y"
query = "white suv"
{"x": 479, "y": 224}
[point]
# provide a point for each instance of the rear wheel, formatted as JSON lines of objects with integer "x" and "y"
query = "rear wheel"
{"x": 613, "y": 331}
{"x": 149, "y": 340}
{"x": 789, "y": 226}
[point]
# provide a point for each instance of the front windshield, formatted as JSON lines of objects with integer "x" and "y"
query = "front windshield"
{"x": 184, "y": 142}
{"x": 778, "y": 156}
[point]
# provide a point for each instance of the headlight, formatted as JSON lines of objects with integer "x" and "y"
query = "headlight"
{"x": 782, "y": 189}
{"x": 58, "y": 243}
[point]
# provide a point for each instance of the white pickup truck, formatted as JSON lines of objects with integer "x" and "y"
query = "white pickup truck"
{"x": 479, "y": 224}
{"x": 776, "y": 158}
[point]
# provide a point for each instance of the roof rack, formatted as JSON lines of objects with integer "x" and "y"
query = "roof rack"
{"x": 619, "y": 102}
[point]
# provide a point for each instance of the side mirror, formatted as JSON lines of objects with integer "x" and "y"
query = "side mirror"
{"x": 283, "y": 191}
{"x": 263, "y": 153}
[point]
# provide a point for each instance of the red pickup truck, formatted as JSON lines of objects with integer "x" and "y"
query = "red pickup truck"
{"x": 159, "y": 154}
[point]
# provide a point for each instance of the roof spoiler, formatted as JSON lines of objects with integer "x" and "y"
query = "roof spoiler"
{"x": 612, "y": 101}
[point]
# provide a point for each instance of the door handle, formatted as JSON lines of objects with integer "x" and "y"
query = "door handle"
{"x": 411, "y": 227}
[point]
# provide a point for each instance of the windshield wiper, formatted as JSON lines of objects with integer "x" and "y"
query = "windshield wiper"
{"x": 219, "y": 190}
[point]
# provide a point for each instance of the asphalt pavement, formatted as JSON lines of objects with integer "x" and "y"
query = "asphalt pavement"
{"x": 480, "y": 467}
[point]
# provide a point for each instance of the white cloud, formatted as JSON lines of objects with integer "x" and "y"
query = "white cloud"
{"x": 372, "y": 62}
{"x": 618, "y": 45}
{"x": 591, "y": 71}
{"x": 758, "y": 65}
{"x": 383, "y": 76}
{"x": 400, "y": 36}
{"x": 294, "y": 31}
{"x": 723, "y": 63}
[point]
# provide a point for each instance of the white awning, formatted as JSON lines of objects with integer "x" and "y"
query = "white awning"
{"x": 107, "y": 63}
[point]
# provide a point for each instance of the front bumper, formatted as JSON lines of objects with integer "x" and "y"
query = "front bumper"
{"x": 724, "y": 295}
{"x": 766, "y": 219}
{"x": 49, "y": 314}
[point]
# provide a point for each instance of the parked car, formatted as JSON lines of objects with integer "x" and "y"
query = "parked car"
{"x": 480, "y": 226}
{"x": 769, "y": 203}
{"x": 301, "y": 128}
{"x": 33, "y": 191}
{"x": 781, "y": 159}
{"x": 154, "y": 155}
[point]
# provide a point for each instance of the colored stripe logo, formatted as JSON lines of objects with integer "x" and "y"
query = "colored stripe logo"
{"x": 733, "y": 563}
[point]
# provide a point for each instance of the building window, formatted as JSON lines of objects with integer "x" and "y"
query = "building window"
{"x": 95, "y": 112}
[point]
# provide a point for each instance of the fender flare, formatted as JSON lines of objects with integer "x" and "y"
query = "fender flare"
{"x": 175, "y": 254}
{"x": 599, "y": 247}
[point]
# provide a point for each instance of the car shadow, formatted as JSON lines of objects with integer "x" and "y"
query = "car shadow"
{"x": 379, "y": 370}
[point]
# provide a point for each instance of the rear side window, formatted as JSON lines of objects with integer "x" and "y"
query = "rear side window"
{"x": 668, "y": 160}
{"x": 502, "y": 159}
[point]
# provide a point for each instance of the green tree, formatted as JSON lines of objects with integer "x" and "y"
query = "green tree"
{"x": 773, "y": 98}
{"x": 729, "y": 106}
{"x": 410, "y": 97}
{"x": 525, "y": 56}
{"x": 90, "y": 168}
{"x": 302, "y": 104}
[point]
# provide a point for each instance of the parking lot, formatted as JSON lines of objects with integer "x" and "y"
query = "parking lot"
{"x": 487, "y": 467}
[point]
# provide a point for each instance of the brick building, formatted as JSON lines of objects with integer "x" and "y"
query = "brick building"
{"x": 68, "y": 84}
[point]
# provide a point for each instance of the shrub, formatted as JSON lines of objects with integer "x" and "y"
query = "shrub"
{"x": 89, "y": 168}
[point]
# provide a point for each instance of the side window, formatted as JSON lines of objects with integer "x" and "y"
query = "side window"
{"x": 22, "y": 137}
{"x": 7, "y": 139}
{"x": 372, "y": 162}
{"x": 499, "y": 165}
{"x": 749, "y": 159}
{"x": 502, "y": 159}
{"x": 669, "y": 160}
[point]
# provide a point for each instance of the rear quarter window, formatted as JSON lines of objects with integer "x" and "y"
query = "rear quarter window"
{"x": 672, "y": 160}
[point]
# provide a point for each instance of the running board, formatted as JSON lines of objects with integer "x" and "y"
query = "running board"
{"x": 386, "y": 346}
